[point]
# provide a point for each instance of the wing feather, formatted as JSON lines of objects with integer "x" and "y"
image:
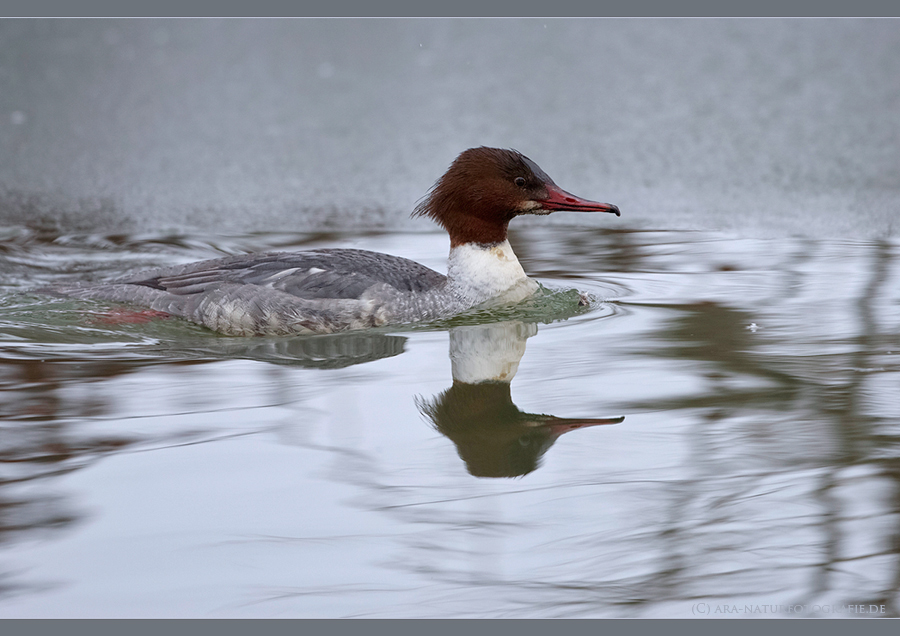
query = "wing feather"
{"x": 315, "y": 274}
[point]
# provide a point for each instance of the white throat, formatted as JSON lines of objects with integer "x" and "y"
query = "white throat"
{"x": 481, "y": 272}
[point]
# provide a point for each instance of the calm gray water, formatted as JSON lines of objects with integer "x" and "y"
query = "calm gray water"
{"x": 744, "y": 321}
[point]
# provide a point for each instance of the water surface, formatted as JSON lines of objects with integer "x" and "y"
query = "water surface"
{"x": 157, "y": 469}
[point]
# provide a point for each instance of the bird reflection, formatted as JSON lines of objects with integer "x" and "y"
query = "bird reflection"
{"x": 332, "y": 351}
{"x": 492, "y": 436}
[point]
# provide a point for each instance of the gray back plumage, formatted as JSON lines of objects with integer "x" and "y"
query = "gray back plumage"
{"x": 327, "y": 273}
{"x": 280, "y": 293}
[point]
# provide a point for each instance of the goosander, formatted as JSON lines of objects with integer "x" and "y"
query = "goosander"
{"x": 330, "y": 290}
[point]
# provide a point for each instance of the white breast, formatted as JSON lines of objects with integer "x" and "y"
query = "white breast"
{"x": 479, "y": 273}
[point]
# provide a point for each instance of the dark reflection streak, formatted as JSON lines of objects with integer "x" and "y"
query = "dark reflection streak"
{"x": 200, "y": 412}
{"x": 794, "y": 276}
{"x": 56, "y": 472}
{"x": 281, "y": 595}
{"x": 591, "y": 250}
{"x": 846, "y": 454}
{"x": 829, "y": 524}
{"x": 519, "y": 492}
{"x": 864, "y": 557}
{"x": 869, "y": 340}
{"x": 853, "y": 428}
{"x": 205, "y": 440}
{"x": 701, "y": 448}
{"x": 274, "y": 538}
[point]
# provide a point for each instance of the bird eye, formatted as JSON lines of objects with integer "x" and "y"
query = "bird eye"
{"x": 520, "y": 181}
